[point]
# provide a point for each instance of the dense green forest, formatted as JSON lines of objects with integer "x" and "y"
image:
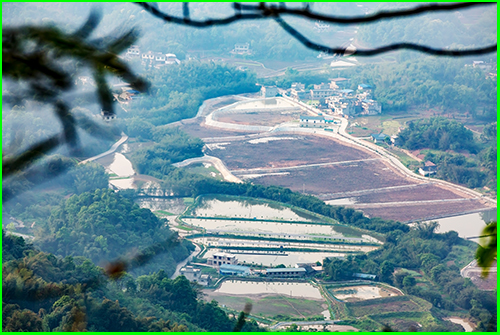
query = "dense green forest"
{"x": 436, "y": 133}
{"x": 458, "y": 29}
{"x": 177, "y": 92}
{"x": 171, "y": 146}
{"x": 450, "y": 141}
{"x": 46, "y": 293}
{"x": 103, "y": 226}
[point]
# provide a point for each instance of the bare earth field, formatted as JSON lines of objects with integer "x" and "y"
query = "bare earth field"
{"x": 263, "y": 118}
{"x": 325, "y": 167}
{"x": 336, "y": 178}
{"x": 419, "y": 193}
{"x": 271, "y": 305}
{"x": 423, "y": 211}
{"x": 383, "y": 305}
{"x": 301, "y": 150}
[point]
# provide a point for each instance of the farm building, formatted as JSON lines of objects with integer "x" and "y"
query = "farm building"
{"x": 428, "y": 169}
{"x": 378, "y": 137}
{"x": 286, "y": 272}
{"x": 234, "y": 270}
{"x": 313, "y": 121}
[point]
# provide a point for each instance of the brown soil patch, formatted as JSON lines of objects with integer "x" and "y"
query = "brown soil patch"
{"x": 355, "y": 176}
{"x": 424, "y": 211}
{"x": 262, "y": 118}
{"x": 420, "y": 193}
{"x": 286, "y": 153}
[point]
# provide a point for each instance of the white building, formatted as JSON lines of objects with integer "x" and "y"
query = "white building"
{"x": 241, "y": 48}
{"x": 220, "y": 258}
{"x": 191, "y": 273}
{"x": 133, "y": 51}
{"x": 370, "y": 107}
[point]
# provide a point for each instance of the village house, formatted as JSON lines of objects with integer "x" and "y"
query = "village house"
{"x": 321, "y": 26}
{"x": 371, "y": 107}
{"x": 191, "y": 273}
{"x": 268, "y": 91}
{"x": 378, "y": 137}
{"x": 339, "y": 83}
{"x": 133, "y": 51}
{"x": 342, "y": 105}
{"x": 298, "y": 86}
{"x": 171, "y": 59}
{"x": 364, "y": 87}
{"x": 321, "y": 91}
{"x": 428, "y": 169}
{"x": 241, "y": 48}
{"x": 314, "y": 121}
{"x": 220, "y": 258}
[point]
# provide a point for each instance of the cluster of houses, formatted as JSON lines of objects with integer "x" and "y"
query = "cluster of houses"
{"x": 333, "y": 97}
{"x": 151, "y": 58}
{"x": 227, "y": 265}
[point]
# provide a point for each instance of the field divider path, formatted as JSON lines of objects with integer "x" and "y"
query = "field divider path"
{"x": 408, "y": 203}
{"x": 305, "y": 166}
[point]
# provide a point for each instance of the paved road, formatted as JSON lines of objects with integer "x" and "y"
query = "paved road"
{"x": 217, "y": 163}
{"x": 184, "y": 262}
{"x": 110, "y": 151}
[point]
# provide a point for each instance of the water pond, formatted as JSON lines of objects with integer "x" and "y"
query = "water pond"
{"x": 467, "y": 225}
{"x": 288, "y": 229}
{"x": 244, "y": 287}
{"x": 221, "y": 206}
{"x": 121, "y": 166}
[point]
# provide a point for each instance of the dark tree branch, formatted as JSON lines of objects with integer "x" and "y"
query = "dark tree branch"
{"x": 272, "y": 10}
{"x": 263, "y": 11}
{"x": 372, "y": 52}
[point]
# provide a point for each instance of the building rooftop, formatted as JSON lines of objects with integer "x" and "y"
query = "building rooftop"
{"x": 234, "y": 267}
{"x": 224, "y": 254}
{"x": 286, "y": 270}
{"x": 304, "y": 117}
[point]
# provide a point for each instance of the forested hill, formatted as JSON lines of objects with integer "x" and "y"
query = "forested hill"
{"x": 103, "y": 226}
{"x": 45, "y": 293}
{"x": 437, "y": 133}
{"x": 460, "y": 158}
{"x": 177, "y": 92}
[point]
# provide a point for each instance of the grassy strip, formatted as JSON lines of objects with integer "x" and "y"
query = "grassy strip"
{"x": 163, "y": 212}
{"x": 260, "y": 238}
{"x": 254, "y": 219}
{"x": 285, "y": 249}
